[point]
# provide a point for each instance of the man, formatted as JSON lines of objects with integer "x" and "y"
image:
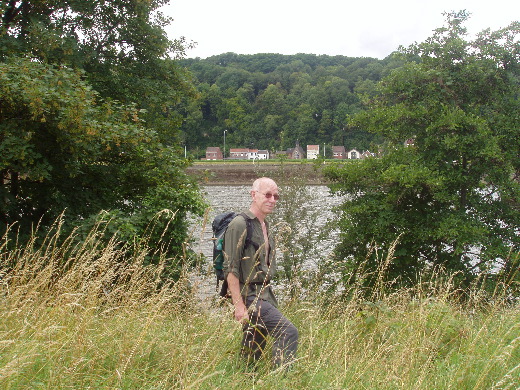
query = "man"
{"x": 249, "y": 271}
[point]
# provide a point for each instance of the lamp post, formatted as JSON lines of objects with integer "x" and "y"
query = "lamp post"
{"x": 224, "y": 154}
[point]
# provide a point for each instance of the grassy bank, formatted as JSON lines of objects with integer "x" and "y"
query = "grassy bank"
{"x": 103, "y": 321}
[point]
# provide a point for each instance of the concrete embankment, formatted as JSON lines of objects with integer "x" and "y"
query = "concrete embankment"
{"x": 244, "y": 173}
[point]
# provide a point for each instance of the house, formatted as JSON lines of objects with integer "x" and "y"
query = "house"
{"x": 213, "y": 153}
{"x": 263, "y": 155}
{"x": 353, "y": 154}
{"x": 313, "y": 152}
{"x": 339, "y": 152}
{"x": 252, "y": 154}
{"x": 410, "y": 142}
{"x": 296, "y": 153}
{"x": 239, "y": 153}
{"x": 248, "y": 154}
{"x": 367, "y": 154}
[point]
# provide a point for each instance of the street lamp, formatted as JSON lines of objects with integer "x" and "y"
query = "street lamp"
{"x": 224, "y": 155}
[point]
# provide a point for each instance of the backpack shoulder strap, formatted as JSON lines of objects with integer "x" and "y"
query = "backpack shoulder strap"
{"x": 249, "y": 234}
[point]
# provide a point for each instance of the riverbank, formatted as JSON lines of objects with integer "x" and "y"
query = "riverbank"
{"x": 121, "y": 328}
{"x": 245, "y": 172}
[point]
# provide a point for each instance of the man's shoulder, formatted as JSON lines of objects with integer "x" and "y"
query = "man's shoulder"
{"x": 247, "y": 214}
{"x": 239, "y": 221}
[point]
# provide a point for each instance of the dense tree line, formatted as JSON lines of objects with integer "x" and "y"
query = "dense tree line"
{"x": 271, "y": 101}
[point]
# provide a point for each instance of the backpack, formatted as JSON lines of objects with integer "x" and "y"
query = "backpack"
{"x": 219, "y": 226}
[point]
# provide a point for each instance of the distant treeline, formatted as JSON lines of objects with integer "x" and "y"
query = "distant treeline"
{"x": 271, "y": 101}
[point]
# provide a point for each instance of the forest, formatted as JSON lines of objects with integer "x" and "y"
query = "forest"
{"x": 271, "y": 101}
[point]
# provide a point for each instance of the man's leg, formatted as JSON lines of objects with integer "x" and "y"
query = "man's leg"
{"x": 285, "y": 334}
{"x": 254, "y": 341}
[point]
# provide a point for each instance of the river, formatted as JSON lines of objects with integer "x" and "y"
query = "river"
{"x": 304, "y": 211}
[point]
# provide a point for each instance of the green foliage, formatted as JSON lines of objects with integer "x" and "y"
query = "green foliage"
{"x": 298, "y": 235}
{"x": 89, "y": 118}
{"x": 450, "y": 198}
{"x": 54, "y": 131}
{"x": 64, "y": 148}
{"x": 86, "y": 31}
{"x": 121, "y": 46}
{"x": 271, "y": 101}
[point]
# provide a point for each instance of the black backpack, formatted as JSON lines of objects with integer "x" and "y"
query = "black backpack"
{"x": 219, "y": 226}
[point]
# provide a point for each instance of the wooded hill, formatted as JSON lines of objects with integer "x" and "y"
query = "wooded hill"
{"x": 271, "y": 101}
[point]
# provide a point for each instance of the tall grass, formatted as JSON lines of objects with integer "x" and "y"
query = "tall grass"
{"x": 89, "y": 315}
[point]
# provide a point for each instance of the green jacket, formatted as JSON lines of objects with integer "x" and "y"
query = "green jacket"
{"x": 249, "y": 265}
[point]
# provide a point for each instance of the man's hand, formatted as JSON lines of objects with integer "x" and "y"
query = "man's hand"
{"x": 240, "y": 308}
{"x": 241, "y": 314}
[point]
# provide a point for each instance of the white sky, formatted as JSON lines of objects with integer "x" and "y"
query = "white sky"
{"x": 356, "y": 28}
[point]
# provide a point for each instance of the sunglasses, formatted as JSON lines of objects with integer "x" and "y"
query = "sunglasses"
{"x": 268, "y": 195}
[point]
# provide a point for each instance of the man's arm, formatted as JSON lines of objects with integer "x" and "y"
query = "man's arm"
{"x": 233, "y": 248}
{"x": 240, "y": 308}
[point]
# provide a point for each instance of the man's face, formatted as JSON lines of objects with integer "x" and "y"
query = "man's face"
{"x": 264, "y": 199}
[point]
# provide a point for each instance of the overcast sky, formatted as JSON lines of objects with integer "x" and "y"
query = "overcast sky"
{"x": 355, "y": 28}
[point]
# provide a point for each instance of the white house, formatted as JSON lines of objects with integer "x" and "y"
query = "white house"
{"x": 239, "y": 153}
{"x": 313, "y": 151}
{"x": 263, "y": 155}
{"x": 353, "y": 154}
{"x": 248, "y": 154}
{"x": 252, "y": 154}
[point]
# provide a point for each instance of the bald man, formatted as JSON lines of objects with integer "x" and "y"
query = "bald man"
{"x": 249, "y": 271}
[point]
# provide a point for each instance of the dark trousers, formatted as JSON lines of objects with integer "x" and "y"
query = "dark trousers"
{"x": 266, "y": 320}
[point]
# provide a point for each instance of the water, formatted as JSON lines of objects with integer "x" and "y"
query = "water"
{"x": 316, "y": 204}
{"x": 311, "y": 208}
{"x": 220, "y": 199}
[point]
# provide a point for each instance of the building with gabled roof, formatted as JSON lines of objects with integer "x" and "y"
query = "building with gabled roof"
{"x": 339, "y": 152}
{"x": 239, "y": 153}
{"x": 248, "y": 154}
{"x": 353, "y": 154}
{"x": 296, "y": 153}
{"x": 313, "y": 152}
{"x": 213, "y": 153}
{"x": 263, "y": 155}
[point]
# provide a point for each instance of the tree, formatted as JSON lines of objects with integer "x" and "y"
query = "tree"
{"x": 89, "y": 117}
{"x": 277, "y": 99}
{"x": 121, "y": 45}
{"x": 450, "y": 197}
